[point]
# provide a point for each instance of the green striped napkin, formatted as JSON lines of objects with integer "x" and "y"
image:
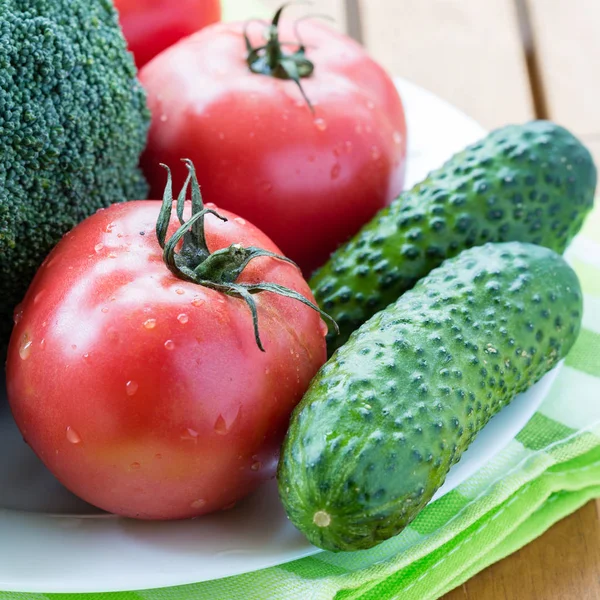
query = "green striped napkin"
{"x": 549, "y": 470}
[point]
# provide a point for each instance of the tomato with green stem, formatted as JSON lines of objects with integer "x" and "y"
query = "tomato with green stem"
{"x": 153, "y": 367}
{"x": 295, "y": 127}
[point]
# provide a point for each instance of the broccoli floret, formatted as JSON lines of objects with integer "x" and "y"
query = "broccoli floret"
{"x": 73, "y": 122}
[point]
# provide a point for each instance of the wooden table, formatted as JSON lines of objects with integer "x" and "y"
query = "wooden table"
{"x": 502, "y": 61}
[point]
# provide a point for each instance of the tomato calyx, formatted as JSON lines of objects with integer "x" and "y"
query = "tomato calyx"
{"x": 217, "y": 270}
{"x": 270, "y": 59}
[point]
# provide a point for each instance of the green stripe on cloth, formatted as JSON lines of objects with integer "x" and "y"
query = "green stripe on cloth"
{"x": 585, "y": 354}
{"x": 430, "y": 521}
{"x": 541, "y": 431}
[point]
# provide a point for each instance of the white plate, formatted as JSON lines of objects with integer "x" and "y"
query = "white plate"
{"x": 52, "y": 542}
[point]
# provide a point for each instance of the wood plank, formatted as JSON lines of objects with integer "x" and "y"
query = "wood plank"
{"x": 333, "y": 8}
{"x": 561, "y": 564}
{"x": 566, "y": 38}
{"x": 467, "y": 51}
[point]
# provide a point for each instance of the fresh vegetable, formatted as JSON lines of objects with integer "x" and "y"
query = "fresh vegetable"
{"x": 73, "y": 121}
{"x": 140, "y": 382}
{"x": 308, "y": 178}
{"x": 388, "y": 415}
{"x": 531, "y": 183}
{"x": 151, "y": 26}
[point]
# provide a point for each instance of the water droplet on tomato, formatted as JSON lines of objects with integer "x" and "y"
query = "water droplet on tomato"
{"x": 74, "y": 346}
{"x": 25, "y": 347}
{"x": 221, "y": 136}
{"x": 170, "y": 345}
{"x": 112, "y": 255}
{"x": 164, "y": 118}
{"x": 256, "y": 466}
{"x": 221, "y": 426}
{"x": 86, "y": 356}
{"x": 113, "y": 298}
{"x": 240, "y": 220}
{"x": 72, "y": 436}
{"x": 18, "y": 314}
{"x": 320, "y": 124}
{"x": 98, "y": 247}
{"x": 197, "y": 504}
{"x": 131, "y": 387}
{"x": 135, "y": 465}
{"x": 323, "y": 328}
{"x": 190, "y": 435}
{"x": 348, "y": 147}
{"x": 104, "y": 309}
{"x": 335, "y": 171}
{"x": 397, "y": 137}
{"x": 110, "y": 227}
{"x": 179, "y": 291}
{"x": 150, "y": 324}
{"x": 228, "y": 506}
{"x": 252, "y": 134}
{"x": 266, "y": 186}
{"x": 183, "y": 318}
{"x": 358, "y": 128}
{"x": 158, "y": 456}
{"x": 370, "y": 104}
{"x": 267, "y": 371}
{"x": 197, "y": 301}
{"x": 43, "y": 344}
{"x": 38, "y": 296}
{"x": 375, "y": 153}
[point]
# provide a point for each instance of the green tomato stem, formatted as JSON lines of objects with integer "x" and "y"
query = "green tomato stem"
{"x": 217, "y": 270}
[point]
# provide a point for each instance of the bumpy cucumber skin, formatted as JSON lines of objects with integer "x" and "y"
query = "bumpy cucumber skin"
{"x": 530, "y": 183}
{"x": 387, "y": 416}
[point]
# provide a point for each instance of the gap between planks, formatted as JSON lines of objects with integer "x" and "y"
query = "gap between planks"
{"x": 467, "y": 51}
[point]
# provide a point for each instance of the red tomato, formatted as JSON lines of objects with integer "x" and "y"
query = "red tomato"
{"x": 309, "y": 181}
{"x": 145, "y": 394}
{"x": 151, "y": 26}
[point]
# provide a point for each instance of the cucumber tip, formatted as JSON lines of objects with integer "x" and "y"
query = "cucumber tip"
{"x": 321, "y": 518}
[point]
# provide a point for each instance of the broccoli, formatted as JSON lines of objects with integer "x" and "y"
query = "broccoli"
{"x": 73, "y": 122}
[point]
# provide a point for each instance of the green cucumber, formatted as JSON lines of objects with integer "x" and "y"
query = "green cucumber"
{"x": 385, "y": 418}
{"x": 531, "y": 183}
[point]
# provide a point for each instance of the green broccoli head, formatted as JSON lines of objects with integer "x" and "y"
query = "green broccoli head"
{"x": 73, "y": 122}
